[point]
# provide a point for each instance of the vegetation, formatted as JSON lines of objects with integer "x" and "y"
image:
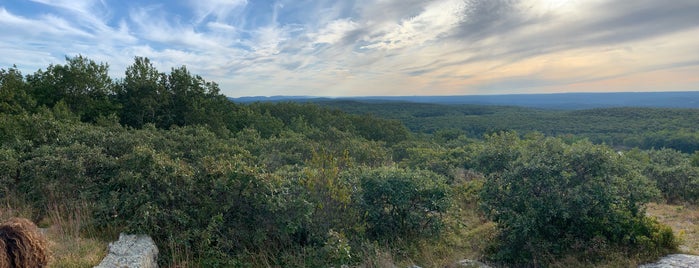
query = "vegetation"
{"x": 622, "y": 128}
{"x": 217, "y": 183}
{"x": 551, "y": 198}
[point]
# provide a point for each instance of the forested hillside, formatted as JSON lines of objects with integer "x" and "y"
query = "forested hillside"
{"x": 217, "y": 183}
{"x": 622, "y": 128}
{"x": 559, "y": 101}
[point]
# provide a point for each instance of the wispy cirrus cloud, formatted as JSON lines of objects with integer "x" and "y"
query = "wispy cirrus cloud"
{"x": 372, "y": 47}
{"x": 218, "y": 10}
{"x": 333, "y": 31}
{"x": 437, "y": 19}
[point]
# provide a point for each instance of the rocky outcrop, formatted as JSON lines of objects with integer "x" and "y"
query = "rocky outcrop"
{"x": 131, "y": 251}
{"x": 675, "y": 261}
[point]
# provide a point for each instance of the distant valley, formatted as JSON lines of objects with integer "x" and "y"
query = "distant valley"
{"x": 560, "y": 101}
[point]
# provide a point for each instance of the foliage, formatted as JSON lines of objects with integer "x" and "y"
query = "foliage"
{"x": 676, "y": 178}
{"x": 625, "y": 127}
{"x": 550, "y": 198}
{"x": 217, "y": 183}
{"x": 14, "y": 95}
{"x": 84, "y": 85}
{"x": 403, "y": 203}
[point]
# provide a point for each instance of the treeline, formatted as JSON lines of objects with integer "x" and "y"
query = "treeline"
{"x": 217, "y": 183}
{"x": 147, "y": 96}
{"x": 623, "y": 128}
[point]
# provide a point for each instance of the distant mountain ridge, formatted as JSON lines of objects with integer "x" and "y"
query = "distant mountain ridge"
{"x": 564, "y": 101}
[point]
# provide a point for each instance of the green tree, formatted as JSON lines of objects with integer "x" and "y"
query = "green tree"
{"x": 84, "y": 85}
{"x": 196, "y": 101}
{"x": 188, "y": 97}
{"x": 14, "y": 97}
{"x": 144, "y": 96}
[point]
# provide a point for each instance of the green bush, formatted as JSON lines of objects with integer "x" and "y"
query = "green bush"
{"x": 549, "y": 199}
{"x": 53, "y": 175}
{"x": 9, "y": 165}
{"x": 676, "y": 177}
{"x": 403, "y": 204}
{"x": 207, "y": 209}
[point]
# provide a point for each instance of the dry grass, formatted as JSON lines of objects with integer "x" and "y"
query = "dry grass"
{"x": 72, "y": 245}
{"x": 684, "y": 221}
{"x": 74, "y": 251}
{"x": 64, "y": 238}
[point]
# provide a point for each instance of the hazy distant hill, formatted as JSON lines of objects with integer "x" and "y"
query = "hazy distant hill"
{"x": 687, "y": 99}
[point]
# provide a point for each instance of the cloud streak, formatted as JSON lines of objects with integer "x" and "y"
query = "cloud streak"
{"x": 373, "y": 47}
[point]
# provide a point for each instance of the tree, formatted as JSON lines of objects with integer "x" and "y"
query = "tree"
{"x": 83, "y": 84}
{"x": 14, "y": 97}
{"x": 144, "y": 96}
{"x": 188, "y": 96}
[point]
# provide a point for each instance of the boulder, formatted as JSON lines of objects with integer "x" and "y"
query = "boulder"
{"x": 675, "y": 261}
{"x": 131, "y": 251}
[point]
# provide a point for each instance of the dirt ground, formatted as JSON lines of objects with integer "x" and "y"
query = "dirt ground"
{"x": 684, "y": 221}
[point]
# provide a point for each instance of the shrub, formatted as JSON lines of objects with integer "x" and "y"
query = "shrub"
{"x": 402, "y": 203}
{"x": 550, "y": 199}
{"x": 676, "y": 177}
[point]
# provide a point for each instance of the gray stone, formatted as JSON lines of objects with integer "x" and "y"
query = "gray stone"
{"x": 131, "y": 251}
{"x": 675, "y": 261}
{"x": 471, "y": 264}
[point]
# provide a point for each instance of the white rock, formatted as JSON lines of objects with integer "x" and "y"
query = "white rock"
{"x": 471, "y": 263}
{"x": 131, "y": 251}
{"x": 675, "y": 261}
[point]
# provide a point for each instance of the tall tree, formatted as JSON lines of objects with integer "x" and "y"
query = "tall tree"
{"x": 144, "y": 96}
{"x": 13, "y": 92}
{"x": 83, "y": 84}
{"x": 188, "y": 96}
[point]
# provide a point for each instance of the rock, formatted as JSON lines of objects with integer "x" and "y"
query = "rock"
{"x": 675, "y": 261}
{"x": 470, "y": 264}
{"x": 131, "y": 251}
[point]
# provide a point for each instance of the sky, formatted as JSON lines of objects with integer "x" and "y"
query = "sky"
{"x": 371, "y": 47}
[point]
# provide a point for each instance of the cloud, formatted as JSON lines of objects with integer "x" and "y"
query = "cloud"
{"x": 218, "y": 10}
{"x": 79, "y": 6}
{"x": 46, "y": 24}
{"x": 434, "y": 21}
{"x": 369, "y": 47}
{"x": 266, "y": 40}
{"x": 333, "y": 31}
{"x": 35, "y": 42}
{"x": 152, "y": 25}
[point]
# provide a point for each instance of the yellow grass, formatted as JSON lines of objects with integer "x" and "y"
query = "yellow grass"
{"x": 684, "y": 221}
{"x": 74, "y": 251}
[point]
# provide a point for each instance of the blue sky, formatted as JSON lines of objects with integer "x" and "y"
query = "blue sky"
{"x": 372, "y": 47}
